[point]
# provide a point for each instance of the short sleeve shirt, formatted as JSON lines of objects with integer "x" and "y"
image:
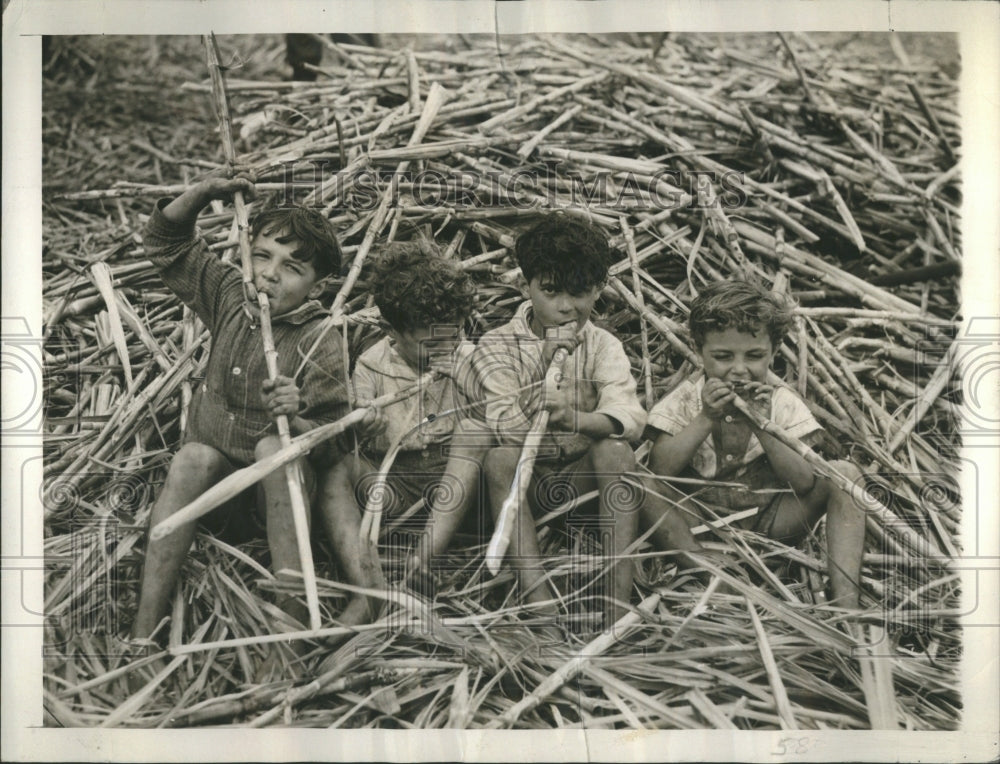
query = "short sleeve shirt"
{"x": 723, "y": 453}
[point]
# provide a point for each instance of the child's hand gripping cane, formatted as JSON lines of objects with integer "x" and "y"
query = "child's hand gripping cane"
{"x": 242, "y": 479}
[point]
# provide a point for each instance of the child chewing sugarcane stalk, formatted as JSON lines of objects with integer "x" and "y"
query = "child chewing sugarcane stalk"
{"x": 592, "y": 416}
{"x": 233, "y": 414}
{"x": 701, "y": 431}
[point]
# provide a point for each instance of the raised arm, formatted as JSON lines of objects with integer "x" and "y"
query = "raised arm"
{"x": 186, "y": 207}
{"x": 190, "y": 271}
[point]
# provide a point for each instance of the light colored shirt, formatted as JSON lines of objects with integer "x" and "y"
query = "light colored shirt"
{"x": 720, "y": 453}
{"x": 381, "y": 370}
{"x": 597, "y": 375}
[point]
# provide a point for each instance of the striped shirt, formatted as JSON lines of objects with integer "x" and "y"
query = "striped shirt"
{"x": 227, "y": 412}
{"x": 597, "y": 374}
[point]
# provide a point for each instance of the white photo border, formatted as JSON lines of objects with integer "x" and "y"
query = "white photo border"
{"x": 24, "y": 737}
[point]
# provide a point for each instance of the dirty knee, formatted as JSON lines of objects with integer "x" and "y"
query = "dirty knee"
{"x": 612, "y": 456}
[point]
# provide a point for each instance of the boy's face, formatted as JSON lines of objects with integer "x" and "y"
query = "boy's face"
{"x": 426, "y": 347}
{"x": 553, "y": 307}
{"x": 735, "y": 356}
{"x": 287, "y": 282}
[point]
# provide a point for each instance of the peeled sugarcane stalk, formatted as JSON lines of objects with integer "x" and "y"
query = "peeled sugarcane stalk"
{"x": 242, "y": 479}
{"x": 293, "y": 476}
{"x": 522, "y": 474}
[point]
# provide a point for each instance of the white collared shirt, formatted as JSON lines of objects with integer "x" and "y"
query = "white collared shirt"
{"x": 598, "y": 371}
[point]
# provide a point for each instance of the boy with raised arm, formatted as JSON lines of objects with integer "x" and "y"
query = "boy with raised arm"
{"x": 737, "y": 328}
{"x": 231, "y": 421}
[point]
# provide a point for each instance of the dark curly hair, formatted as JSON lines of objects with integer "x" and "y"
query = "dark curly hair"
{"x": 571, "y": 255}
{"x": 415, "y": 287}
{"x": 317, "y": 241}
{"x": 741, "y": 305}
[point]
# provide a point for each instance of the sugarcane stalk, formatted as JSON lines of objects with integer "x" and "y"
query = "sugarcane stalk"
{"x": 327, "y": 684}
{"x": 872, "y": 507}
{"x": 647, "y": 374}
{"x": 296, "y": 496}
{"x": 154, "y": 190}
{"x": 101, "y": 275}
{"x": 526, "y": 148}
{"x": 522, "y": 474}
{"x": 575, "y": 664}
{"x": 435, "y": 99}
{"x": 781, "y": 702}
{"x": 661, "y": 323}
{"x": 234, "y": 484}
{"x": 526, "y": 108}
{"x": 935, "y": 386}
{"x": 293, "y": 476}
{"x": 229, "y": 148}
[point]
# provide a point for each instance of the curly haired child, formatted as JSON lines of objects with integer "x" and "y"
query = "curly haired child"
{"x": 424, "y": 301}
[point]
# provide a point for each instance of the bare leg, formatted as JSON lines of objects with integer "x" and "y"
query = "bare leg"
{"x": 342, "y": 518}
{"x": 845, "y": 530}
{"x": 679, "y": 514}
{"x": 619, "y": 502}
{"x": 673, "y": 532}
{"x": 193, "y": 470}
{"x": 845, "y": 539}
{"x": 459, "y": 490}
{"x": 281, "y": 538}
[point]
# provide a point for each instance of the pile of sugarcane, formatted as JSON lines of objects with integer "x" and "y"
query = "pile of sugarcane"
{"x": 824, "y": 166}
